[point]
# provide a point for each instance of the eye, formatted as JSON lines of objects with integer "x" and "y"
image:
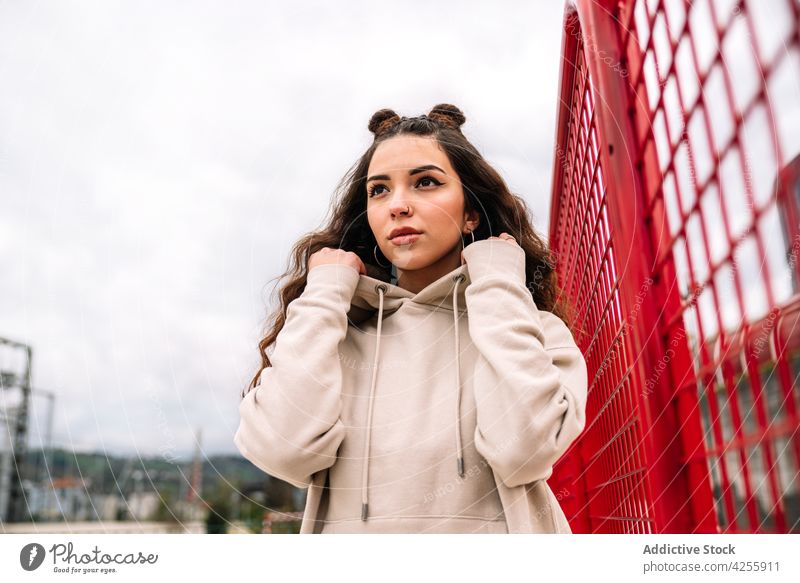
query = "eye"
{"x": 431, "y": 178}
{"x": 372, "y": 190}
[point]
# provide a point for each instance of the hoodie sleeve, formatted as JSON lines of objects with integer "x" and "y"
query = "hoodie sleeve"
{"x": 531, "y": 379}
{"x": 290, "y": 423}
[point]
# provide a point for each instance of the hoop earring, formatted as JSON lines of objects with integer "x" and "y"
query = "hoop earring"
{"x": 473, "y": 236}
{"x": 375, "y": 253}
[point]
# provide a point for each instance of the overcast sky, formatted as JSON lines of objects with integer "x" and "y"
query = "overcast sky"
{"x": 159, "y": 159}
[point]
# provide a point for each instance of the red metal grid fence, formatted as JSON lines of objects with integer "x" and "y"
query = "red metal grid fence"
{"x": 675, "y": 227}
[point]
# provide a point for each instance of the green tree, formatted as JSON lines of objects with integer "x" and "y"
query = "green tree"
{"x": 219, "y": 510}
{"x": 165, "y": 512}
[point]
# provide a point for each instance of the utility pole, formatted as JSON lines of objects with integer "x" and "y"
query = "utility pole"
{"x": 16, "y": 511}
{"x": 48, "y": 441}
{"x": 196, "y": 488}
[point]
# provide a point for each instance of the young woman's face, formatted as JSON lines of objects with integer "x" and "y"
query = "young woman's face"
{"x": 401, "y": 193}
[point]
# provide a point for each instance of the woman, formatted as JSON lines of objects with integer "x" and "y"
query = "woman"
{"x": 417, "y": 384}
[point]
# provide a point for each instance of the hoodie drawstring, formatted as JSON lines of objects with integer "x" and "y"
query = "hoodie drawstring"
{"x": 364, "y": 505}
{"x": 459, "y": 455}
{"x": 381, "y": 289}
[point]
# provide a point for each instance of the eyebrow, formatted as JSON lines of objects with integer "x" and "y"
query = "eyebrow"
{"x": 410, "y": 172}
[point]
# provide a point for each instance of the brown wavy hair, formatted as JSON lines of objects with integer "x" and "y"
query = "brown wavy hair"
{"x": 484, "y": 190}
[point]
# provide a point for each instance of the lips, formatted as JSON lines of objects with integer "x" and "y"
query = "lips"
{"x": 405, "y": 238}
{"x": 407, "y": 230}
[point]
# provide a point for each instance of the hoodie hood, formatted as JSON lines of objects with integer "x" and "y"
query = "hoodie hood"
{"x": 374, "y": 296}
{"x": 366, "y": 299}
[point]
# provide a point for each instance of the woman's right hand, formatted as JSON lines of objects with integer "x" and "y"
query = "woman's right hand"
{"x": 330, "y": 255}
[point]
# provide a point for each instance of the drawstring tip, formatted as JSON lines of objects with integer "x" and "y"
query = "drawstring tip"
{"x": 461, "y": 466}
{"x": 364, "y": 511}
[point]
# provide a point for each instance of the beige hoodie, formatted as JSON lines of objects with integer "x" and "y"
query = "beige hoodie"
{"x": 440, "y": 411}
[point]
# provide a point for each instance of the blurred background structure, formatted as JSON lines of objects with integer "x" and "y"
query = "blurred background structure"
{"x": 54, "y": 490}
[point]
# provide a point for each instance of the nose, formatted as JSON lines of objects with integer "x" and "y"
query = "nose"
{"x": 399, "y": 204}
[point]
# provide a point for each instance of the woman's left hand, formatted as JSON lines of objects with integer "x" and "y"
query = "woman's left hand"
{"x": 503, "y": 237}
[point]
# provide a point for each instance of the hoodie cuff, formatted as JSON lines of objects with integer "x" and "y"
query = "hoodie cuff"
{"x": 495, "y": 257}
{"x": 337, "y": 275}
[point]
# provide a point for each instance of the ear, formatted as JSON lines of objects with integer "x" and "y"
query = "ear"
{"x": 471, "y": 220}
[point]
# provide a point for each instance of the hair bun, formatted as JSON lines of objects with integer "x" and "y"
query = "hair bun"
{"x": 447, "y": 114}
{"x": 381, "y": 120}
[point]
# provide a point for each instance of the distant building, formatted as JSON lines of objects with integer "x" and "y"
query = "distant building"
{"x": 189, "y": 511}
{"x": 142, "y": 505}
{"x": 107, "y": 506}
{"x": 62, "y": 499}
